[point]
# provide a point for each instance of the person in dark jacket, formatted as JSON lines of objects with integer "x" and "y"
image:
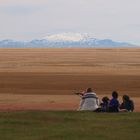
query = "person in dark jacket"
{"x": 105, "y": 104}
{"x": 114, "y": 103}
{"x": 127, "y": 105}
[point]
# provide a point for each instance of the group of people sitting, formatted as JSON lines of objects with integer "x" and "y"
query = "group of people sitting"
{"x": 90, "y": 102}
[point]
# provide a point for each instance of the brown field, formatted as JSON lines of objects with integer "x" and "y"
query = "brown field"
{"x": 46, "y": 79}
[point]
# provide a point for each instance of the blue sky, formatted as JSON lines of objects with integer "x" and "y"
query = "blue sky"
{"x": 30, "y": 19}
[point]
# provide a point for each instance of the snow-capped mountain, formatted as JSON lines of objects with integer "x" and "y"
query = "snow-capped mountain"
{"x": 71, "y": 37}
{"x": 64, "y": 40}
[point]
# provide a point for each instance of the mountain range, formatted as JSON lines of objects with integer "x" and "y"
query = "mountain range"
{"x": 65, "y": 40}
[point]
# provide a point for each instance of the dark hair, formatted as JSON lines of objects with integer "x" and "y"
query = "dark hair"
{"x": 89, "y": 90}
{"x": 126, "y": 98}
{"x": 115, "y": 94}
{"x": 105, "y": 99}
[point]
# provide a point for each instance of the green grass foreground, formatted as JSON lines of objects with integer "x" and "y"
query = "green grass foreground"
{"x": 64, "y": 125}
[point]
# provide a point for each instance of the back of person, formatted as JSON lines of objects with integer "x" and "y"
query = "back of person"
{"x": 105, "y": 104}
{"x": 89, "y": 102}
{"x": 114, "y": 103}
{"x": 127, "y": 104}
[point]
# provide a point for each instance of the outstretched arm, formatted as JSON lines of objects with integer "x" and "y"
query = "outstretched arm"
{"x": 80, "y": 93}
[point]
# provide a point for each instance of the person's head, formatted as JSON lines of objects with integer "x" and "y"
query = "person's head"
{"x": 126, "y": 98}
{"x": 105, "y": 99}
{"x": 89, "y": 90}
{"x": 115, "y": 94}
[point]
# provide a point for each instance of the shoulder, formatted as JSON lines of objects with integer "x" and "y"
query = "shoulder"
{"x": 112, "y": 100}
{"x": 131, "y": 102}
{"x": 90, "y": 95}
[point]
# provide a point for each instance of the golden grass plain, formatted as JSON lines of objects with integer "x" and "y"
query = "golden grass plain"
{"x": 46, "y": 79}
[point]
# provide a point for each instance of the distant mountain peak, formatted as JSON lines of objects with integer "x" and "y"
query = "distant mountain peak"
{"x": 65, "y": 40}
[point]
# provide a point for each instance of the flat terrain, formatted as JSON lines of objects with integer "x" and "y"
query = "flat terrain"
{"x": 69, "y": 126}
{"x": 46, "y": 79}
